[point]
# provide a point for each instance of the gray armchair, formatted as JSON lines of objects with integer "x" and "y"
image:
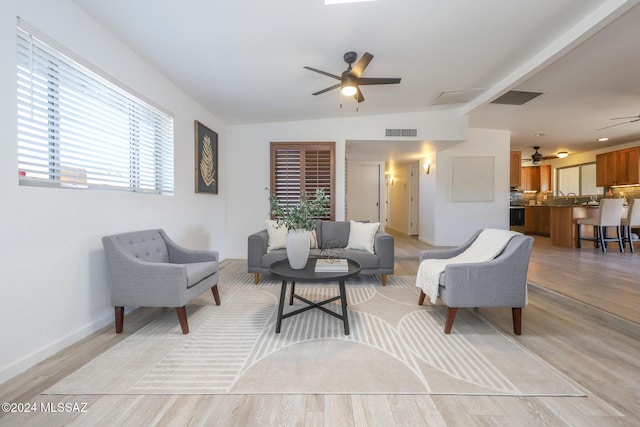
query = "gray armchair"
{"x": 500, "y": 282}
{"x": 147, "y": 269}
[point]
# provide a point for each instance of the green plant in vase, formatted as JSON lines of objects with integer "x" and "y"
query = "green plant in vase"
{"x": 301, "y": 215}
{"x": 299, "y": 220}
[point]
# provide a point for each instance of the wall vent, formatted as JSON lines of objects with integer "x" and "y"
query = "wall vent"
{"x": 516, "y": 97}
{"x": 401, "y": 132}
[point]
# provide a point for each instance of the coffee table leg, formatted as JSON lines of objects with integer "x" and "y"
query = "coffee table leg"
{"x": 343, "y": 300}
{"x": 293, "y": 291}
{"x": 283, "y": 291}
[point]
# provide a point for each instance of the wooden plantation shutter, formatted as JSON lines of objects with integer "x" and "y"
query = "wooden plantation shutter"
{"x": 303, "y": 166}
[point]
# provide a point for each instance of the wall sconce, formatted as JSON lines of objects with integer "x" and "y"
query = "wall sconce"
{"x": 391, "y": 179}
{"x": 427, "y": 167}
{"x": 562, "y": 154}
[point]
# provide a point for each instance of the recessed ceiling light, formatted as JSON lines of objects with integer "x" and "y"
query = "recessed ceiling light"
{"x": 541, "y": 134}
{"x": 603, "y": 139}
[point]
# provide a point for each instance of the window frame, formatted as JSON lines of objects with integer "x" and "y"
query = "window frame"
{"x": 298, "y": 173}
{"x": 78, "y": 128}
{"x": 559, "y": 193}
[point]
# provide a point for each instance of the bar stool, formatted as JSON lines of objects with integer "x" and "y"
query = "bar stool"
{"x": 632, "y": 220}
{"x": 609, "y": 215}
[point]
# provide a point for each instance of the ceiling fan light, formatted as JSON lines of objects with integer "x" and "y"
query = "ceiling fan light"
{"x": 349, "y": 90}
{"x": 562, "y": 154}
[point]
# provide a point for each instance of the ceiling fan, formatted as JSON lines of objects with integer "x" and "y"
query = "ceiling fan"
{"x": 635, "y": 119}
{"x": 537, "y": 157}
{"x": 351, "y": 80}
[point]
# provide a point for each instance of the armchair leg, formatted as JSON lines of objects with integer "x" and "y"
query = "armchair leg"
{"x": 516, "y": 313}
{"x": 422, "y": 296}
{"x": 216, "y": 295}
{"x": 119, "y": 313}
{"x": 384, "y": 280}
{"x": 256, "y": 278}
{"x": 182, "y": 316}
{"x": 451, "y": 316}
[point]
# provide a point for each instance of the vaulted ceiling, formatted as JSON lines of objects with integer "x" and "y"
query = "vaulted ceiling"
{"x": 244, "y": 60}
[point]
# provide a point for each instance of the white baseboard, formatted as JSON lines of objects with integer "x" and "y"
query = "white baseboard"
{"x": 41, "y": 354}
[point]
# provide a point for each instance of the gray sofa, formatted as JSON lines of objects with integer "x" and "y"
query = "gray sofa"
{"x": 147, "y": 269}
{"x": 334, "y": 233}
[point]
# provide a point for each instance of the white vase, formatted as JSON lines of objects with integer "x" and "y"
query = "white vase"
{"x": 298, "y": 248}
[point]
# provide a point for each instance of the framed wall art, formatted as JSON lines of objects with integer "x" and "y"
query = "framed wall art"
{"x": 472, "y": 179}
{"x": 206, "y": 166}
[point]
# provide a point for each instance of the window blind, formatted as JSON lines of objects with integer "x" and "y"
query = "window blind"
{"x": 298, "y": 167}
{"x": 77, "y": 129}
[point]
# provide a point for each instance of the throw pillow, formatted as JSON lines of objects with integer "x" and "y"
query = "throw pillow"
{"x": 361, "y": 235}
{"x": 277, "y": 235}
{"x": 313, "y": 239}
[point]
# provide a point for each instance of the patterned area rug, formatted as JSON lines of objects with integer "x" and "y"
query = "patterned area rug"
{"x": 395, "y": 347}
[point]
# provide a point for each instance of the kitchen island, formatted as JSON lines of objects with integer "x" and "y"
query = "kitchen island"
{"x": 564, "y": 230}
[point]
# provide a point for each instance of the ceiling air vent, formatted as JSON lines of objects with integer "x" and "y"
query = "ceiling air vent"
{"x": 516, "y": 97}
{"x": 401, "y": 132}
{"x": 456, "y": 96}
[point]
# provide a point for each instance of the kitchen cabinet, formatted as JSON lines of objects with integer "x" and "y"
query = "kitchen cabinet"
{"x": 514, "y": 168}
{"x": 535, "y": 178}
{"x": 537, "y": 220}
{"x": 530, "y": 179}
{"x": 545, "y": 179}
{"x": 620, "y": 167}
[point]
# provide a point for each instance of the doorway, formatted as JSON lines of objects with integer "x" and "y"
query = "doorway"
{"x": 364, "y": 189}
{"x": 414, "y": 201}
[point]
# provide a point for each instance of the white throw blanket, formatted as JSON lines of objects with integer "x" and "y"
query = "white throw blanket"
{"x": 487, "y": 246}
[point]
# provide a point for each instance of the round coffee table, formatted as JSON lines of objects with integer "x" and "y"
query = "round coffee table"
{"x": 282, "y": 270}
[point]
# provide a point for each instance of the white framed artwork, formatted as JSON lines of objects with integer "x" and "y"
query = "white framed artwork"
{"x": 472, "y": 179}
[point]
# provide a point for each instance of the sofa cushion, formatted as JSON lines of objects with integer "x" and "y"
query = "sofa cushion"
{"x": 334, "y": 234}
{"x": 197, "y": 271}
{"x": 366, "y": 260}
{"x": 362, "y": 235}
{"x": 277, "y": 235}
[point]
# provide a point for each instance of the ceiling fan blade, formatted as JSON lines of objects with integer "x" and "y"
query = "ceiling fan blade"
{"x": 379, "y": 80}
{"x": 618, "y": 124}
{"x": 362, "y": 63}
{"x": 336, "y": 86}
{"x": 359, "y": 96}
{"x": 323, "y": 72}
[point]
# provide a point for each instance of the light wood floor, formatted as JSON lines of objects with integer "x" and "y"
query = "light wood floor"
{"x": 568, "y": 323}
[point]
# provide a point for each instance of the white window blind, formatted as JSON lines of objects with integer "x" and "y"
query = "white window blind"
{"x": 76, "y": 129}
{"x": 304, "y": 166}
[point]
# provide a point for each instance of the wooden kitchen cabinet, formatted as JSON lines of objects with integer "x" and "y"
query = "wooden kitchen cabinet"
{"x": 545, "y": 178}
{"x": 628, "y": 162}
{"x": 530, "y": 178}
{"x": 514, "y": 168}
{"x": 620, "y": 167}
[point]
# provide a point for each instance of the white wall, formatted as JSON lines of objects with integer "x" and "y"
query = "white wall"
{"x": 447, "y": 223}
{"x": 54, "y": 288}
{"x": 248, "y": 151}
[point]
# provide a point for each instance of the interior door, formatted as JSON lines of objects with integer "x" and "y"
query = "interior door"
{"x": 414, "y": 229}
{"x": 370, "y": 194}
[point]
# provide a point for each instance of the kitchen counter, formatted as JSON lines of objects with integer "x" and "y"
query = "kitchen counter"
{"x": 537, "y": 220}
{"x": 564, "y": 230}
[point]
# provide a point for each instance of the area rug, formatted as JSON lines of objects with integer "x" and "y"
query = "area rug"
{"x": 395, "y": 347}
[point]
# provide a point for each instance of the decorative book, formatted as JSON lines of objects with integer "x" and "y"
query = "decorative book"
{"x": 325, "y": 265}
